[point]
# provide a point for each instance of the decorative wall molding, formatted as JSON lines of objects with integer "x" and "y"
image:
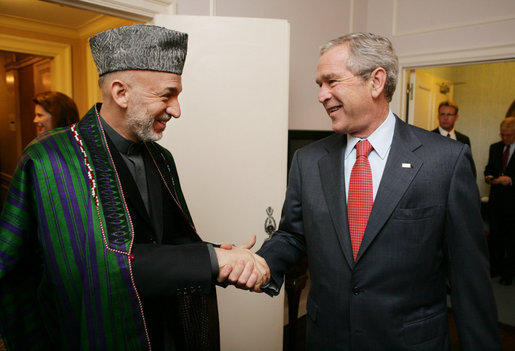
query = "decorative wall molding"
{"x": 135, "y": 10}
{"x": 463, "y": 56}
{"x": 100, "y": 22}
{"x": 413, "y": 17}
{"x": 38, "y": 27}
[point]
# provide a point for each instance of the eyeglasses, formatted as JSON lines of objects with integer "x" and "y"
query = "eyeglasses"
{"x": 447, "y": 114}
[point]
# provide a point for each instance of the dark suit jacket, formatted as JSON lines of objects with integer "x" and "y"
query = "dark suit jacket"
{"x": 502, "y": 198}
{"x": 425, "y": 218}
{"x": 462, "y": 138}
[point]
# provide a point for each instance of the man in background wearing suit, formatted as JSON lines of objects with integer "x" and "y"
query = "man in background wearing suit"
{"x": 382, "y": 233}
{"x": 499, "y": 173}
{"x": 447, "y": 116}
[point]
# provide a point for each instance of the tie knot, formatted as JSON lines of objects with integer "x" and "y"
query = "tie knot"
{"x": 363, "y": 148}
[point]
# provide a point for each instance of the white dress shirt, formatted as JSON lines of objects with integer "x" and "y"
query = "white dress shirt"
{"x": 381, "y": 141}
{"x": 444, "y": 133}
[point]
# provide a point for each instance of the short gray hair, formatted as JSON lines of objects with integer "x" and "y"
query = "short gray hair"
{"x": 367, "y": 52}
{"x": 508, "y": 123}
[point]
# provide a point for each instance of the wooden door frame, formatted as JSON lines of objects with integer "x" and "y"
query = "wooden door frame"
{"x": 61, "y": 54}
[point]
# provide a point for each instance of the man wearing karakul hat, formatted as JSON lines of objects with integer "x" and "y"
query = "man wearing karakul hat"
{"x": 97, "y": 248}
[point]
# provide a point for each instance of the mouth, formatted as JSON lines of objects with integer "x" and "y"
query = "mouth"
{"x": 333, "y": 109}
{"x": 164, "y": 118}
{"x": 161, "y": 122}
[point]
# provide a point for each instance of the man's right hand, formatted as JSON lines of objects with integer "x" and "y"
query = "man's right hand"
{"x": 241, "y": 267}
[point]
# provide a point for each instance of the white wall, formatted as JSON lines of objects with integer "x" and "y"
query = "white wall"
{"x": 423, "y": 33}
{"x": 312, "y": 23}
{"x": 225, "y": 145}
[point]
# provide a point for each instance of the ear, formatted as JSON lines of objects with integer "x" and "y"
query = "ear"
{"x": 377, "y": 81}
{"x": 120, "y": 93}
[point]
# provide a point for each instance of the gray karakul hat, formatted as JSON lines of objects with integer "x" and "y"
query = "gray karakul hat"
{"x": 139, "y": 47}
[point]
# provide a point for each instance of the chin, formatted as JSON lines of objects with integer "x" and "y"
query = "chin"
{"x": 340, "y": 129}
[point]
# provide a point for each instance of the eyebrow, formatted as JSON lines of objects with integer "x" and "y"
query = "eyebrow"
{"x": 326, "y": 77}
{"x": 169, "y": 90}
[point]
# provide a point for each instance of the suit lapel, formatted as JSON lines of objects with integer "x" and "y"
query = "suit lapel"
{"x": 400, "y": 169}
{"x": 331, "y": 168}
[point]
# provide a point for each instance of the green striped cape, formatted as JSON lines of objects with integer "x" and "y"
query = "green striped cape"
{"x": 65, "y": 243}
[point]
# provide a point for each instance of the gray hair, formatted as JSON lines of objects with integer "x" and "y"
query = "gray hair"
{"x": 367, "y": 52}
{"x": 508, "y": 123}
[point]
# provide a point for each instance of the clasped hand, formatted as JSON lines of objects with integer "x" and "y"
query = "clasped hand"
{"x": 501, "y": 180}
{"x": 241, "y": 267}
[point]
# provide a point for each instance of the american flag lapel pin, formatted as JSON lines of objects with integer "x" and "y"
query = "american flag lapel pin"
{"x": 407, "y": 165}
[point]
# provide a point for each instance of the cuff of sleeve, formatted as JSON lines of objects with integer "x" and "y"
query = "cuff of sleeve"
{"x": 214, "y": 262}
{"x": 270, "y": 288}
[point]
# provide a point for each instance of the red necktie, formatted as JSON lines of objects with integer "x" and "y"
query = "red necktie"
{"x": 360, "y": 199}
{"x": 505, "y": 156}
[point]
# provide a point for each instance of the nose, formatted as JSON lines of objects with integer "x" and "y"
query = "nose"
{"x": 323, "y": 94}
{"x": 35, "y": 120}
{"x": 173, "y": 108}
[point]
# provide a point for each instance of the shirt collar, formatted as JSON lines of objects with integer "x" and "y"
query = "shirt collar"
{"x": 444, "y": 132}
{"x": 380, "y": 139}
{"x": 124, "y": 146}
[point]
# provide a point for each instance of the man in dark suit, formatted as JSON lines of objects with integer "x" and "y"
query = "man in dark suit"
{"x": 499, "y": 173}
{"x": 379, "y": 260}
{"x": 447, "y": 116}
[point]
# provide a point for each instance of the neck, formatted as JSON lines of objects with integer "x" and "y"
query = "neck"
{"x": 115, "y": 117}
{"x": 379, "y": 115}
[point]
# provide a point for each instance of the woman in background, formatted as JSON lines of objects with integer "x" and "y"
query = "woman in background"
{"x": 54, "y": 109}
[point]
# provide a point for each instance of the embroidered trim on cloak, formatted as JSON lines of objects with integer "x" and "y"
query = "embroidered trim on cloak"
{"x": 117, "y": 223}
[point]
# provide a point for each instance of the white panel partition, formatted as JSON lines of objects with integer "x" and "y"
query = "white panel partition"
{"x": 230, "y": 146}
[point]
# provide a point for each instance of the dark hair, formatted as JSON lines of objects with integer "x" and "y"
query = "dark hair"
{"x": 62, "y": 109}
{"x": 450, "y": 104}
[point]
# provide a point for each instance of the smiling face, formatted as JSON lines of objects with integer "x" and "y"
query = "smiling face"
{"x": 153, "y": 101}
{"x": 346, "y": 97}
{"x": 42, "y": 119}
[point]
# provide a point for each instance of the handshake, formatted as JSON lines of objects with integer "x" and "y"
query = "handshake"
{"x": 241, "y": 267}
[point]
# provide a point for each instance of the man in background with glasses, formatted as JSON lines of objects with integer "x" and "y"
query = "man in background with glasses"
{"x": 447, "y": 116}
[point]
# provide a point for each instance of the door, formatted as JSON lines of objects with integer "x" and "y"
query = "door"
{"x": 426, "y": 92}
{"x": 230, "y": 146}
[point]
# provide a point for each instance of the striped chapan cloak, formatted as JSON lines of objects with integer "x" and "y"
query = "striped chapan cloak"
{"x": 66, "y": 279}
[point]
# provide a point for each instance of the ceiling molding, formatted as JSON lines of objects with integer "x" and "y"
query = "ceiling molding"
{"x": 100, "y": 23}
{"x": 29, "y": 25}
{"x": 135, "y": 10}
